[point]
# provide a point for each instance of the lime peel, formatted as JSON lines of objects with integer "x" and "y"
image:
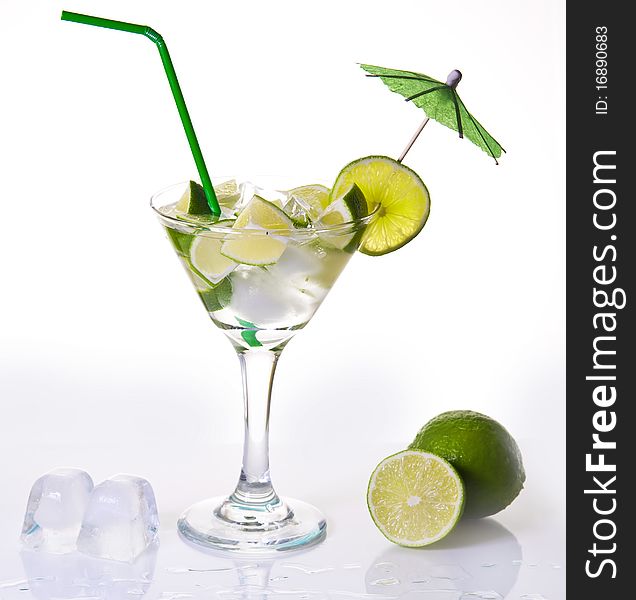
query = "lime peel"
{"x": 484, "y": 454}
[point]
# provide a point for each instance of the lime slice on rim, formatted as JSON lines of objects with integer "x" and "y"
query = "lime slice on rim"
{"x": 403, "y": 198}
{"x": 263, "y": 248}
{"x": 415, "y": 498}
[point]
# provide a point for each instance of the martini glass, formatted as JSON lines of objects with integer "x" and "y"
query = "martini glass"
{"x": 260, "y": 309}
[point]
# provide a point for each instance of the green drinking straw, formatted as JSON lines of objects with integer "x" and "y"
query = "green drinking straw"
{"x": 174, "y": 86}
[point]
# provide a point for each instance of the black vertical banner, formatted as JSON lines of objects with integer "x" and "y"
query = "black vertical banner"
{"x": 601, "y": 265}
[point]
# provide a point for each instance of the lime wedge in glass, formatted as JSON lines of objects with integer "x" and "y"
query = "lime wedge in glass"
{"x": 415, "y": 498}
{"x": 194, "y": 204}
{"x": 263, "y": 248}
{"x": 218, "y": 297}
{"x": 193, "y": 201}
{"x": 403, "y": 200}
{"x": 206, "y": 259}
{"x": 350, "y": 207}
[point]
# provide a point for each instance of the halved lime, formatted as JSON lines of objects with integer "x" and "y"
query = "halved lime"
{"x": 415, "y": 498}
{"x": 403, "y": 198}
{"x": 263, "y": 248}
{"x": 193, "y": 201}
{"x": 484, "y": 454}
{"x": 206, "y": 259}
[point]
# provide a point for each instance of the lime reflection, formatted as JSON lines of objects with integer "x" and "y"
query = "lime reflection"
{"x": 479, "y": 555}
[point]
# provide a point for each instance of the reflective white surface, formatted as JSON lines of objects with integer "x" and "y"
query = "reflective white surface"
{"x": 519, "y": 554}
{"x": 108, "y": 362}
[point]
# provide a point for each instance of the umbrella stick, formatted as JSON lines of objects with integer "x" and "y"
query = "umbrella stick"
{"x": 412, "y": 141}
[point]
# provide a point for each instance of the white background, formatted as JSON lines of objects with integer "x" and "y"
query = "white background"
{"x": 107, "y": 360}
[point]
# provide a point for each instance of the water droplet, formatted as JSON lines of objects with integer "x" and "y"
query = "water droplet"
{"x": 556, "y": 566}
{"x": 450, "y": 572}
{"x": 385, "y": 565}
{"x": 533, "y": 597}
{"x": 7, "y": 583}
{"x": 488, "y": 595}
{"x": 517, "y": 562}
{"x": 334, "y": 594}
{"x": 488, "y": 564}
{"x": 177, "y": 570}
{"x": 386, "y": 581}
{"x": 307, "y": 570}
{"x": 279, "y": 578}
{"x": 351, "y": 566}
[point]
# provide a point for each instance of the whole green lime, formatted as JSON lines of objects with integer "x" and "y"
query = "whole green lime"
{"x": 484, "y": 454}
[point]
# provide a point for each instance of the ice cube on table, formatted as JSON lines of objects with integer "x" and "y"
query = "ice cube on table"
{"x": 55, "y": 509}
{"x": 121, "y": 520}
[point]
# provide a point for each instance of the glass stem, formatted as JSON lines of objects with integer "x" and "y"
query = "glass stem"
{"x": 255, "y": 487}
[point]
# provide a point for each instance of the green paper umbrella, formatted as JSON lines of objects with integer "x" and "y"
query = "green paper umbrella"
{"x": 440, "y": 102}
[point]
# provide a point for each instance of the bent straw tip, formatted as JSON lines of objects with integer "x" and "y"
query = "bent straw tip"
{"x": 69, "y": 16}
{"x": 75, "y": 17}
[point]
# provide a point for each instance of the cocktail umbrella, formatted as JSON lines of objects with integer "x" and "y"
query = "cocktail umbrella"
{"x": 440, "y": 102}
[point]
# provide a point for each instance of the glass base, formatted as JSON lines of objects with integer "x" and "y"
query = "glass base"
{"x": 223, "y": 524}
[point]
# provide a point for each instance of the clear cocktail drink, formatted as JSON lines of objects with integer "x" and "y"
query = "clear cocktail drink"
{"x": 286, "y": 253}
